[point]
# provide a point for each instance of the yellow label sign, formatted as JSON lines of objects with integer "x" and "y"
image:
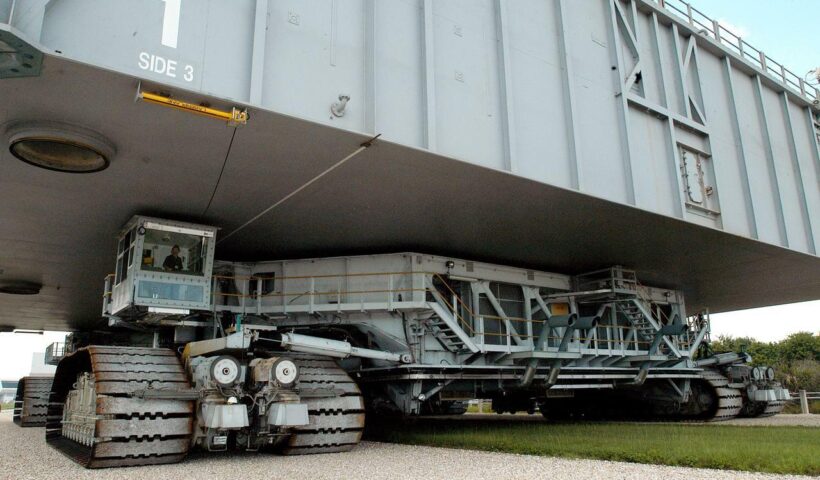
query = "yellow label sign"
{"x": 559, "y": 308}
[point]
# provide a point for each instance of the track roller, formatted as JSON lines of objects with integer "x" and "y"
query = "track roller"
{"x": 95, "y": 420}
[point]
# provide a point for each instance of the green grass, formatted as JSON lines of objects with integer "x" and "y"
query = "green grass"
{"x": 486, "y": 408}
{"x": 793, "y": 450}
{"x": 794, "y": 407}
{"x": 7, "y": 406}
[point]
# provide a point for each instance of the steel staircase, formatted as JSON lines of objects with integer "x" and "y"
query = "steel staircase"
{"x": 645, "y": 328}
{"x": 622, "y": 288}
{"x": 446, "y": 325}
{"x": 445, "y": 335}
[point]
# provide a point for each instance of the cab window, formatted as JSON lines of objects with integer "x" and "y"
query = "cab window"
{"x": 166, "y": 251}
{"x": 125, "y": 252}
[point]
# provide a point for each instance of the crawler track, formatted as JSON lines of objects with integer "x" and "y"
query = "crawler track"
{"x": 126, "y": 430}
{"x": 729, "y": 400}
{"x": 711, "y": 400}
{"x": 772, "y": 408}
{"x": 335, "y": 408}
{"x": 31, "y": 401}
{"x": 762, "y": 409}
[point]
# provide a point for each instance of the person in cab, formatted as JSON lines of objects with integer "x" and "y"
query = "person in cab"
{"x": 173, "y": 262}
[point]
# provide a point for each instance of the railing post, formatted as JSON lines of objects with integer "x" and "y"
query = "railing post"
{"x": 716, "y": 26}
{"x": 245, "y": 289}
{"x": 509, "y": 340}
{"x": 284, "y": 293}
{"x": 339, "y": 294}
{"x": 312, "y": 293}
{"x": 763, "y": 63}
{"x": 689, "y": 14}
{"x": 804, "y": 402}
{"x": 258, "y": 295}
{"x": 390, "y": 292}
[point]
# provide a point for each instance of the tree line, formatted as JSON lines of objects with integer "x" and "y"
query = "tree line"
{"x": 796, "y": 359}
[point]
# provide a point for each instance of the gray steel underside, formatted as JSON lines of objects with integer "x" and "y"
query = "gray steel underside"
{"x": 59, "y": 229}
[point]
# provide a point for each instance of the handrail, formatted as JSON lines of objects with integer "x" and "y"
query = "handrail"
{"x": 54, "y": 351}
{"x": 663, "y": 317}
{"x": 301, "y": 293}
{"x": 810, "y": 395}
{"x": 442, "y": 295}
{"x": 330, "y": 292}
{"x": 734, "y": 43}
{"x": 307, "y": 277}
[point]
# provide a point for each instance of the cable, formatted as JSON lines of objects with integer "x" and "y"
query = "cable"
{"x": 219, "y": 179}
{"x": 364, "y": 146}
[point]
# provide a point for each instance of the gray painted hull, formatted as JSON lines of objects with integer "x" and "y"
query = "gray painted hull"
{"x": 591, "y": 181}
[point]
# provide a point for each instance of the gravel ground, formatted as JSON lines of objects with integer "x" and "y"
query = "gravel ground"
{"x": 24, "y": 455}
{"x": 796, "y": 420}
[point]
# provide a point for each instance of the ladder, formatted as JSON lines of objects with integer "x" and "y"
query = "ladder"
{"x": 645, "y": 328}
{"x": 445, "y": 335}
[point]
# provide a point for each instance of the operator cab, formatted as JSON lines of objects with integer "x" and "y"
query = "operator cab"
{"x": 149, "y": 277}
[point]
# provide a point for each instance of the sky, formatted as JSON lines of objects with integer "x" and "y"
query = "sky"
{"x": 786, "y": 30}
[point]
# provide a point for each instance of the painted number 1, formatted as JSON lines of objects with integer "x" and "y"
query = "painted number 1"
{"x": 161, "y": 64}
{"x": 170, "y": 23}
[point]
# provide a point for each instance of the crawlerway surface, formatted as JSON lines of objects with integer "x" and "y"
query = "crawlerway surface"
{"x": 25, "y": 455}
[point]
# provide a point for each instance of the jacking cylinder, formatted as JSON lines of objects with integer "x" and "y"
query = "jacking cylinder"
{"x": 562, "y": 320}
{"x": 585, "y": 323}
